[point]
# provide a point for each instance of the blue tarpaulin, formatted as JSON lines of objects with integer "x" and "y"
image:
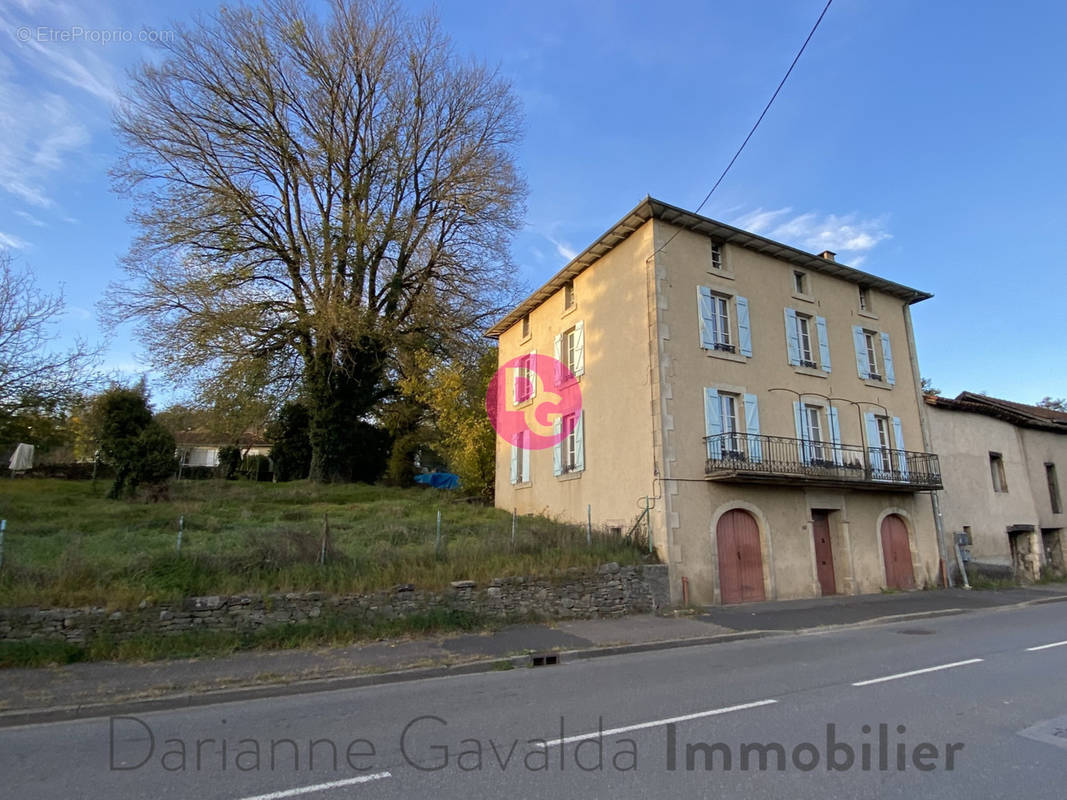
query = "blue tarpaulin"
{"x": 438, "y": 480}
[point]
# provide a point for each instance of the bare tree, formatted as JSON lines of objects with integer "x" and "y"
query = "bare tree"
{"x": 31, "y": 373}
{"x": 311, "y": 194}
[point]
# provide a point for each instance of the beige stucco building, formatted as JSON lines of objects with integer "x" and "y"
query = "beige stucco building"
{"x": 1002, "y": 486}
{"x": 765, "y": 399}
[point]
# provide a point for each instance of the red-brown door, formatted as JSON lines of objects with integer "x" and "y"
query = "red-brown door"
{"x": 824, "y": 552}
{"x": 740, "y": 558}
{"x": 897, "y": 552}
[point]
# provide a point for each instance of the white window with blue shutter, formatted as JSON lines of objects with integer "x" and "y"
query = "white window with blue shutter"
{"x": 792, "y": 337}
{"x": 706, "y": 315}
{"x": 578, "y": 451}
{"x": 752, "y": 439}
{"x": 525, "y": 387}
{"x": 713, "y": 423}
{"x": 515, "y": 461}
{"x": 577, "y": 349}
{"x": 835, "y": 436}
{"x": 557, "y": 449}
{"x": 520, "y": 458}
{"x": 887, "y": 360}
{"x": 803, "y": 445}
{"x": 744, "y": 326}
{"x": 875, "y": 446}
{"x": 824, "y": 343}
{"x": 902, "y": 457}
{"x": 862, "y": 362}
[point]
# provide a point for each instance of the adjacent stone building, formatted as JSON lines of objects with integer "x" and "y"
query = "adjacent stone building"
{"x": 1003, "y": 491}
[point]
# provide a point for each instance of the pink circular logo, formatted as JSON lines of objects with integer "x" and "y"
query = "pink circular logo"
{"x": 533, "y": 401}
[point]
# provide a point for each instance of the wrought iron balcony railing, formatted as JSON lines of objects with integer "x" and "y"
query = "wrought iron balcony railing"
{"x": 757, "y": 458}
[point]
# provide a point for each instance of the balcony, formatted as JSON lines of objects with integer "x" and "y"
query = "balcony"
{"x": 745, "y": 458}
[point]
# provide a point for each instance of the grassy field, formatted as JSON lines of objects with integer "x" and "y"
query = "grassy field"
{"x": 66, "y": 545}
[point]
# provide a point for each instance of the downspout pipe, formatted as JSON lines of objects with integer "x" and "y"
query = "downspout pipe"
{"x": 935, "y": 498}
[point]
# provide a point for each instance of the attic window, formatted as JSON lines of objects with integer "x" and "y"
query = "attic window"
{"x": 716, "y": 255}
{"x": 865, "y": 298}
{"x": 800, "y": 283}
{"x": 526, "y": 326}
{"x": 568, "y": 295}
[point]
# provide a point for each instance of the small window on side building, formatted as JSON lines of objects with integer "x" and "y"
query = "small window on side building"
{"x": 716, "y": 256}
{"x": 525, "y": 327}
{"x": 1053, "y": 489}
{"x": 568, "y": 295}
{"x": 800, "y": 283}
{"x": 996, "y": 469}
{"x": 865, "y": 298}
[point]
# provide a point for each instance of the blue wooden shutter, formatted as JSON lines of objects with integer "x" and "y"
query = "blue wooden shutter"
{"x": 744, "y": 327}
{"x": 835, "y": 436}
{"x": 824, "y": 343}
{"x": 579, "y": 442}
{"x": 557, "y": 352}
{"x": 557, "y": 449}
{"x": 706, "y": 312}
{"x": 887, "y": 357}
{"x": 515, "y": 456}
{"x": 861, "y": 352}
{"x": 874, "y": 444}
{"x": 531, "y": 362}
{"x": 792, "y": 337}
{"x": 579, "y": 348}
{"x": 902, "y": 458}
{"x": 755, "y": 445}
{"x": 802, "y": 432}
{"x": 713, "y": 422}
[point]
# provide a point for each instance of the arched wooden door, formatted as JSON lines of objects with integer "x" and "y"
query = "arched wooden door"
{"x": 740, "y": 558}
{"x": 897, "y": 553}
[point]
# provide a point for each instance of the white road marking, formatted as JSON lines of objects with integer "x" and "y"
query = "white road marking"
{"x": 657, "y": 723}
{"x": 1045, "y": 646}
{"x": 320, "y": 787}
{"x": 917, "y": 672}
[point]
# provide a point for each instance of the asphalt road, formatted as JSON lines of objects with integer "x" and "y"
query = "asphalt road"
{"x": 952, "y": 707}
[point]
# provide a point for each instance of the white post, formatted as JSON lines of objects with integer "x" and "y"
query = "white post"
{"x": 3, "y": 527}
{"x": 437, "y": 544}
{"x": 181, "y": 524}
{"x": 589, "y": 525}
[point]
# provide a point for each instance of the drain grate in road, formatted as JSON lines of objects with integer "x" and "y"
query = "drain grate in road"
{"x": 544, "y": 660}
{"x": 917, "y": 631}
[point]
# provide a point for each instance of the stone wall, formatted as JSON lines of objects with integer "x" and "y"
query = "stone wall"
{"x": 610, "y": 591}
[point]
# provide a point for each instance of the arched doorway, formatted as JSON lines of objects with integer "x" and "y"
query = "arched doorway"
{"x": 897, "y": 552}
{"x": 740, "y": 557}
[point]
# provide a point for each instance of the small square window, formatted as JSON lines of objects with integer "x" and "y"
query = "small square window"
{"x": 568, "y": 295}
{"x": 716, "y": 255}
{"x": 525, "y": 328}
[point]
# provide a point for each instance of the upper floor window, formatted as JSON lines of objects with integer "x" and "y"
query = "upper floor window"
{"x": 996, "y": 469}
{"x": 570, "y": 350}
{"x": 807, "y": 340}
{"x": 520, "y": 458}
{"x": 716, "y": 255}
{"x": 525, "y": 327}
{"x": 874, "y": 355}
{"x": 717, "y": 327}
{"x": 568, "y": 295}
{"x": 800, "y": 282}
{"x": 865, "y": 298}
{"x": 1053, "y": 489}
{"x": 525, "y": 380}
{"x": 731, "y": 424}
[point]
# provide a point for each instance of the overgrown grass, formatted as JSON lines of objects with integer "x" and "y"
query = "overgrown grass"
{"x": 66, "y": 545}
{"x": 334, "y": 632}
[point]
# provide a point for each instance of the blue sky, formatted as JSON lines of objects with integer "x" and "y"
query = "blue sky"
{"x": 922, "y": 141}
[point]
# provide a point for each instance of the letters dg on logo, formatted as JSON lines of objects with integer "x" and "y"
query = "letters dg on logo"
{"x": 533, "y": 401}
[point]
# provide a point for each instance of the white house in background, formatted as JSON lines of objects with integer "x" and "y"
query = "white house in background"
{"x": 201, "y": 448}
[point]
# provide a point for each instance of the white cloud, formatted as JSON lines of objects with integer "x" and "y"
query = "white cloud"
{"x": 843, "y": 233}
{"x": 29, "y": 218}
{"x": 12, "y": 242}
{"x": 563, "y": 249}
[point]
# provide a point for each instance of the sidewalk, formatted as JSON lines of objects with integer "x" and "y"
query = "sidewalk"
{"x": 93, "y": 689}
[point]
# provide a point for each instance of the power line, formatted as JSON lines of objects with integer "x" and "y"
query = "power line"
{"x": 766, "y": 108}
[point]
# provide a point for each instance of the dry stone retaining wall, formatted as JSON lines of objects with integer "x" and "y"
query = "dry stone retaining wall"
{"x": 610, "y": 591}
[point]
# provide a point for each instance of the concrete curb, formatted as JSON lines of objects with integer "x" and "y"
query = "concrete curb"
{"x": 10, "y": 719}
